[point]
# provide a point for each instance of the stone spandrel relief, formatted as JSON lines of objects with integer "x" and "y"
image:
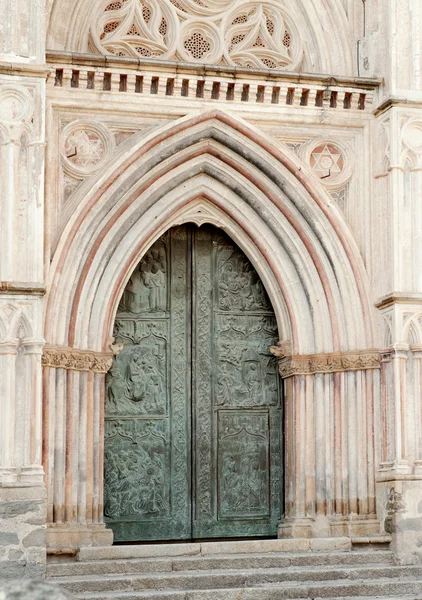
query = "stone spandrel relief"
{"x": 227, "y": 32}
{"x": 85, "y": 146}
{"x": 243, "y": 465}
{"x": 137, "y": 469}
{"x": 146, "y": 291}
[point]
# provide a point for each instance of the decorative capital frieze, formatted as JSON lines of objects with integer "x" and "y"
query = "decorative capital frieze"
{"x": 9, "y": 346}
{"x": 59, "y": 357}
{"x": 33, "y": 346}
{"x": 396, "y": 351}
{"x": 332, "y": 362}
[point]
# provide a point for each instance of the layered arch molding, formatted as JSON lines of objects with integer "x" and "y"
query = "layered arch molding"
{"x": 210, "y": 168}
{"x": 320, "y": 31}
{"x": 214, "y": 168}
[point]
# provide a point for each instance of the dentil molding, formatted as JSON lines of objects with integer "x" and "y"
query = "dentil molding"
{"x": 59, "y": 357}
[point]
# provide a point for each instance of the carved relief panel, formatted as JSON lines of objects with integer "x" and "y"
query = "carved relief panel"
{"x": 236, "y": 396}
{"x": 193, "y": 417}
{"x": 147, "y": 438}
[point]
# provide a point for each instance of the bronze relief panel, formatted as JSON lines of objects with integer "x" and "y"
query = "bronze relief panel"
{"x": 193, "y": 445}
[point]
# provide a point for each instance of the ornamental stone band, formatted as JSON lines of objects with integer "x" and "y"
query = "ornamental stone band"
{"x": 333, "y": 362}
{"x": 73, "y": 359}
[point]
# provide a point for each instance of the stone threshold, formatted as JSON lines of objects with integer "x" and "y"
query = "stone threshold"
{"x": 342, "y": 544}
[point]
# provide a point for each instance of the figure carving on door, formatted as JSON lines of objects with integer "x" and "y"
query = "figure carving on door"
{"x": 193, "y": 419}
{"x": 145, "y": 382}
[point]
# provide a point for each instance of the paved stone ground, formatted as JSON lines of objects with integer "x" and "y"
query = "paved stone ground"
{"x": 33, "y": 590}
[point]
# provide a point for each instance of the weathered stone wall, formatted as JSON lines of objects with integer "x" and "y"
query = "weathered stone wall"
{"x": 22, "y": 145}
{"x": 22, "y": 532}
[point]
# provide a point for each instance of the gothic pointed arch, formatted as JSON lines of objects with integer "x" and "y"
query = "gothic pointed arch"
{"x": 292, "y": 233}
{"x": 216, "y": 169}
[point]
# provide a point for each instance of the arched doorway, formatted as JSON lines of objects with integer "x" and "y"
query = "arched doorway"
{"x": 193, "y": 427}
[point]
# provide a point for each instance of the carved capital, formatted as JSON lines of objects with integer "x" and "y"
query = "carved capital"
{"x": 73, "y": 359}
{"x": 394, "y": 352}
{"x": 9, "y": 346}
{"x": 282, "y": 349}
{"x": 333, "y": 362}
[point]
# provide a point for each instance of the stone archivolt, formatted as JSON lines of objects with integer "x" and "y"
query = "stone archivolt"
{"x": 327, "y": 363}
{"x": 227, "y": 32}
{"x": 76, "y": 360}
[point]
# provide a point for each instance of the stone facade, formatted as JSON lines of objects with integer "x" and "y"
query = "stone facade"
{"x": 296, "y": 128}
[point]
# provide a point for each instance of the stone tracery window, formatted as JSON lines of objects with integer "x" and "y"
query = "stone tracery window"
{"x": 227, "y": 32}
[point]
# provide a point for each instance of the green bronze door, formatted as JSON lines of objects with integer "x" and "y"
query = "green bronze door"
{"x": 193, "y": 427}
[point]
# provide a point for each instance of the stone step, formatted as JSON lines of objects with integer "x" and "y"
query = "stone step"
{"x": 245, "y": 578}
{"x": 229, "y": 561}
{"x": 213, "y": 548}
{"x": 405, "y": 588}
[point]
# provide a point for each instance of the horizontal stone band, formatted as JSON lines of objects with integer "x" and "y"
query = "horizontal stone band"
{"x": 329, "y": 363}
{"x": 60, "y": 357}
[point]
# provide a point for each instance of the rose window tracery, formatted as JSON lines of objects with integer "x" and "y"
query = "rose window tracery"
{"x": 227, "y": 32}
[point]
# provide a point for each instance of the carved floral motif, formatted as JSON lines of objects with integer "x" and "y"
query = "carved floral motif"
{"x": 86, "y": 146}
{"x": 328, "y": 363}
{"x": 136, "y": 460}
{"x": 232, "y": 32}
{"x": 76, "y": 360}
{"x": 395, "y": 505}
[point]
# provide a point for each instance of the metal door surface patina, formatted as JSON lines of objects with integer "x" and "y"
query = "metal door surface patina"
{"x": 193, "y": 425}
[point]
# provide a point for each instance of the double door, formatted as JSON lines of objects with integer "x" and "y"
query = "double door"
{"x": 193, "y": 428}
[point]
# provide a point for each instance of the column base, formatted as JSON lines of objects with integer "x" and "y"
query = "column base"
{"x": 335, "y": 526}
{"x": 32, "y": 474}
{"x": 400, "y": 503}
{"x": 69, "y": 538}
{"x": 355, "y": 526}
{"x": 390, "y": 470}
{"x": 296, "y": 528}
{"x": 8, "y": 475}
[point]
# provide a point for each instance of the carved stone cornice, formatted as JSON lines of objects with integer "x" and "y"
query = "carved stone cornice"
{"x": 398, "y": 298}
{"x": 22, "y": 289}
{"x": 333, "y": 362}
{"x": 65, "y": 57}
{"x": 24, "y": 69}
{"x": 60, "y": 357}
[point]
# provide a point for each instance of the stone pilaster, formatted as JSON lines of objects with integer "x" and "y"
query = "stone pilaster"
{"x": 392, "y": 46}
{"x": 399, "y": 477}
{"x": 74, "y": 447}
{"x": 22, "y": 141}
{"x": 331, "y": 404}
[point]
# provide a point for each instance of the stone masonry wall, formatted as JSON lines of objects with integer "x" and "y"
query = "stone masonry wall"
{"x": 22, "y": 532}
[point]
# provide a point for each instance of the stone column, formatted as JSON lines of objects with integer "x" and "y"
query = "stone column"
{"x": 399, "y": 477}
{"x": 392, "y": 47}
{"x": 73, "y": 390}
{"x": 331, "y": 404}
{"x": 22, "y": 108}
